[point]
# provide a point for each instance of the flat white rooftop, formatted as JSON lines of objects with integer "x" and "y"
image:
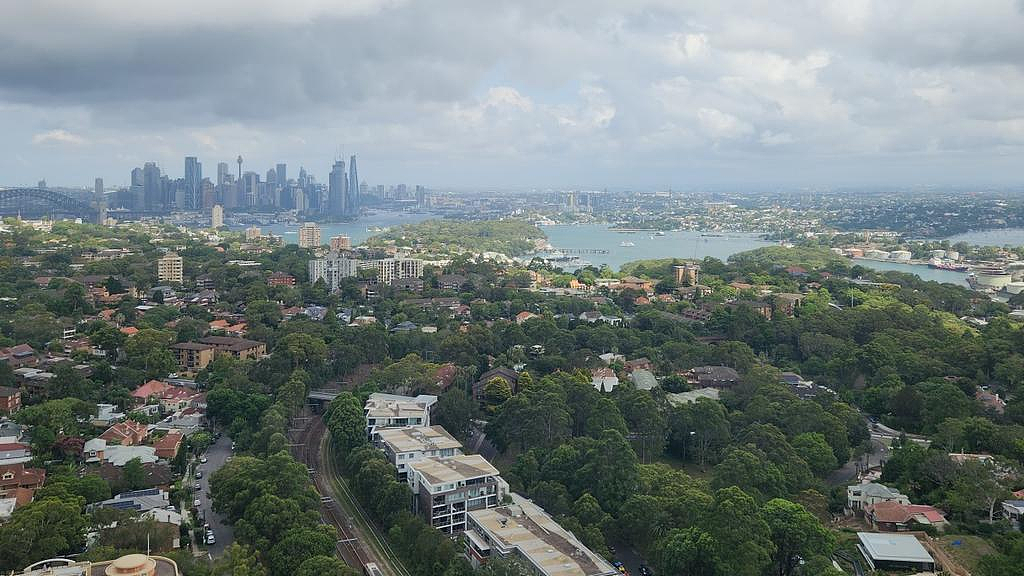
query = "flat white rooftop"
{"x": 453, "y": 469}
{"x": 417, "y": 439}
{"x": 894, "y": 547}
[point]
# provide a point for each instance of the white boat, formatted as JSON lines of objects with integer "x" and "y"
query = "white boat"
{"x": 626, "y": 244}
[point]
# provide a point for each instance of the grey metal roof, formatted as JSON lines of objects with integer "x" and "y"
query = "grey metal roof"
{"x": 894, "y": 547}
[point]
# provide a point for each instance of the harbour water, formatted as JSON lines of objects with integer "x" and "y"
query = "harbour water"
{"x": 646, "y": 245}
{"x": 686, "y": 244}
{"x": 1002, "y": 237}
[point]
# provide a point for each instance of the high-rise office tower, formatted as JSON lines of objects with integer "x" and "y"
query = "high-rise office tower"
{"x": 239, "y": 160}
{"x": 209, "y": 194}
{"x": 152, "y": 192}
{"x": 282, "y": 175}
{"x": 352, "y": 204}
{"x": 98, "y": 189}
{"x": 222, "y": 173}
{"x": 250, "y": 188}
{"x": 193, "y": 184}
{"x": 337, "y": 193}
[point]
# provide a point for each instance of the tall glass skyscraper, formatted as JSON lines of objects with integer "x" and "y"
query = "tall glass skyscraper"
{"x": 353, "y": 187}
{"x": 337, "y": 194}
{"x": 193, "y": 184}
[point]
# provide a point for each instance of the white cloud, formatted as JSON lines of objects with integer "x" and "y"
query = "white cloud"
{"x": 722, "y": 125}
{"x": 58, "y": 136}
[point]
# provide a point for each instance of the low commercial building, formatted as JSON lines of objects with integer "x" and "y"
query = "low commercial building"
{"x": 444, "y": 489}
{"x": 894, "y": 552}
{"x": 526, "y": 532}
{"x": 403, "y": 446}
{"x": 393, "y": 411}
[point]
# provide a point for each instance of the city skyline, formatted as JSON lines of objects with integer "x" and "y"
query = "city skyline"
{"x": 649, "y": 95}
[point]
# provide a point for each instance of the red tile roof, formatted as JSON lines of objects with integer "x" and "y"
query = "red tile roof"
{"x": 891, "y": 511}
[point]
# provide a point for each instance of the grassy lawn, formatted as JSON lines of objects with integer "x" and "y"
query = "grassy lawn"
{"x": 689, "y": 467}
{"x": 970, "y": 550}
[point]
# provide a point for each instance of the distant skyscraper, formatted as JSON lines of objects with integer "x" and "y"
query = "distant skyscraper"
{"x": 250, "y": 189}
{"x": 41, "y": 184}
{"x": 239, "y": 160}
{"x": 152, "y": 187}
{"x": 337, "y": 193}
{"x": 98, "y": 189}
{"x": 353, "y": 187}
{"x": 222, "y": 173}
{"x": 217, "y": 216}
{"x": 282, "y": 175}
{"x": 193, "y": 184}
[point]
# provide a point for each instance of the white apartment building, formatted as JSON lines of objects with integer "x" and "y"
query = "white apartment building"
{"x": 309, "y": 235}
{"x": 445, "y": 489}
{"x": 337, "y": 266}
{"x": 403, "y": 446}
{"x": 170, "y": 268}
{"x": 393, "y": 411}
{"x": 217, "y": 216}
{"x": 524, "y": 530}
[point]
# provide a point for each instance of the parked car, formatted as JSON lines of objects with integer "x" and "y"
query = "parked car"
{"x": 199, "y": 486}
{"x": 202, "y": 460}
{"x": 210, "y": 539}
{"x": 198, "y": 503}
{"x": 199, "y": 474}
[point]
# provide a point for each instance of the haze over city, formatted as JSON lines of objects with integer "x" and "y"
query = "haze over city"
{"x": 463, "y": 94}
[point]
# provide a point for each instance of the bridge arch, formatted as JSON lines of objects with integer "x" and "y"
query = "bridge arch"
{"x": 35, "y": 201}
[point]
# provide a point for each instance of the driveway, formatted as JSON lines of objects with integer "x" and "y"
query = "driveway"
{"x": 879, "y": 454}
{"x": 216, "y": 456}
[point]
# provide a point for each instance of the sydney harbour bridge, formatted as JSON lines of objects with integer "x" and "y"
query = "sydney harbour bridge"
{"x": 38, "y": 202}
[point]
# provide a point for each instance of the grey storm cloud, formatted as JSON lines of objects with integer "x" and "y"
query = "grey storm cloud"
{"x": 528, "y": 93}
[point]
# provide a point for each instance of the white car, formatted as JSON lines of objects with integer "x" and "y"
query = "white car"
{"x": 198, "y": 503}
{"x": 202, "y": 460}
{"x": 210, "y": 539}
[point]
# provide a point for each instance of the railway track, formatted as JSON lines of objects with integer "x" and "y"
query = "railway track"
{"x": 309, "y": 446}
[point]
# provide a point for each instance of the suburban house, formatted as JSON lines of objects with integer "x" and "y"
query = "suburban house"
{"x": 167, "y": 447}
{"x": 192, "y": 356}
{"x": 901, "y": 552}
{"x": 18, "y": 356}
{"x": 93, "y": 452}
{"x": 712, "y": 377}
{"x": 524, "y": 316}
{"x": 510, "y": 376}
{"x": 150, "y": 390}
{"x": 643, "y": 379}
{"x": 604, "y": 379}
{"x": 1013, "y": 510}
{"x": 898, "y": 517}
{"x": 634, "y": 283}
{"x": 10, "y": 400}
{"x": 137, "y": 501}
{"x": 763, "y": 309}
{"x": 403, "y": 446}
{"x": 14, "y": 453}
{"x": 127, "y": 433}
{"x": 526, "y": 532}
{"x": 19, "y": 482}
{"x": 450, "y": 281}
{"x": 240, "y": 348}
{"x": 445, "y": 489}
{"x": 786, "y": 303}
{"x": 989, "y": 400}
{"x": 393, "y": 411}
{"x": 860, "y": 496}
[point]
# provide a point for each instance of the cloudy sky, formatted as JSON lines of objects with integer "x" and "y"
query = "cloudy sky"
{"x": 532, "y": 93}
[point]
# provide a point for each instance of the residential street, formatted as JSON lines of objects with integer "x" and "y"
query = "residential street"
{"x": 216, "y": 456}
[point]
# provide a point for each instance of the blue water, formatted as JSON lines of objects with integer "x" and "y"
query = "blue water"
{"x": 683, "y": 244}
{"x": 923, "y": 271}
{"x": 1003, "y": 237}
